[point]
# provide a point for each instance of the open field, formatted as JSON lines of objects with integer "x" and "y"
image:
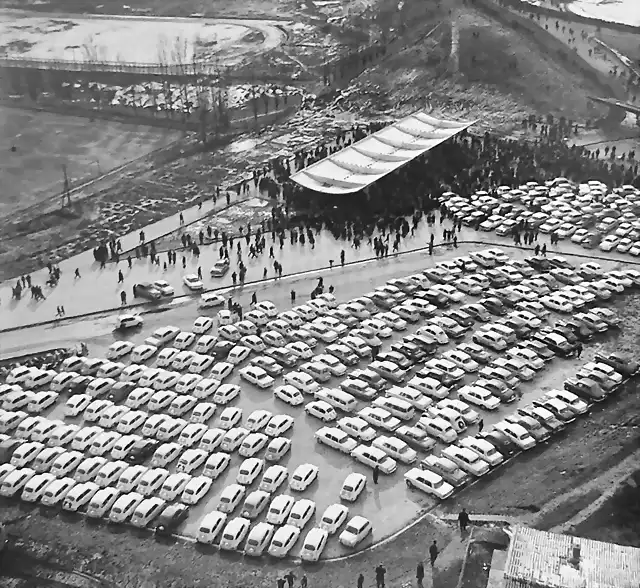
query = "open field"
{"x": 139, "y": 40}
{"x": 45, "y": 142}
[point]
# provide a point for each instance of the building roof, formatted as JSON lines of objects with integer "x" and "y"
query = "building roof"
{"x": 355, "y": 167}
{"x": 537, "y": 559}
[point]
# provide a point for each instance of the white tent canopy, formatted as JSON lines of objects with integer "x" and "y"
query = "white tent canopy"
{"x": 361, "y": 164}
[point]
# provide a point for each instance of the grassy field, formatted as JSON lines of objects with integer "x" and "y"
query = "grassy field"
{"x": 45, "y": 142}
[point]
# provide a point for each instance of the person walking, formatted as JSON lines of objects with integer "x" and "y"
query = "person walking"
{"x": 77, "y": 274}
{"x": 254, "y": 299}
{"x": 376, "y": 474}
{"x": 303, "y": 581}
{"x": 380, "y": 572}
{"x": 181, "y": 219}
{"x": 293, "y": 296}
{"x": 120, "y": 277}
{"x": 290, "y": 577}
{"x": 579, "y": 350}
{"x": 280, "y": 582}
{"x": 360, "y": 582}
{"x": 420, "y": 573}
{"x": 433, "y": 552}
{"x": 480, "y": 425}
{"x": 199, "y": 273}
{"x": 463, "y": 520}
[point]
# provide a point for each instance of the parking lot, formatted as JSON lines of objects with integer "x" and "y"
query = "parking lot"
{"x": 389, "y": 505}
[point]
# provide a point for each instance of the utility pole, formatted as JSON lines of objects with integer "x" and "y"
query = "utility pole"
{"x": 66, "y": 194}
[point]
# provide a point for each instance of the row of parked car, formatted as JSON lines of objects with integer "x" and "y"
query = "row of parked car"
{"x": 381, "y": 447}
{"x": 588, "y": 214}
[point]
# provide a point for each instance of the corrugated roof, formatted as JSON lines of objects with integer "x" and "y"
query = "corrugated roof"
{"x": 355, "y": 167}
{"x": 538, "y": 559}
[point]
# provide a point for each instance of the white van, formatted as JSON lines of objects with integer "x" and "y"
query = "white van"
{"x": 338, "y": 399}
{"x": 210, "y": 527}
{"x": 397, "y": 407}
{"x": 146, "y": 511}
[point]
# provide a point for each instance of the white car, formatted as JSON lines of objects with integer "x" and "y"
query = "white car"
{"x": 357, "y": 428}
{"x": 231, "y": 497}
{"x": 289, "y": 394}
{"x": 256, "y": 376}
{"x": 303, "y": 476}
{"x": 321, "y": 410}
{"x": 333, "y": 518}
{"x": 238, "y": 354}
{"x": 268, "y": 308}
{"x": 336, "y": 438}
{"x": 466, "y": 459}
{"x": 279, "y": 509}
{"x": 428, "y": 482}
{"x": 396, "y": 448}
{"x": 479, "y": 397}
{"x": 300, "y": 349}
{"x": 356, "y": 530}
{"x": 230, "y": 417}
{"x": 232, "y": 439}
{"x": 196, "y": 489}
{"x": 484, "y": 449}
{"x": 234, "y": 533}
{"x": 353, "y": 485}
{"x": 252, "y": 444}
{"x": 102, "y": 502}
{"x": 249, "y": 470}
{"x": 193, "y": 282}
{"x": 273, "y": 477}
{"x": 284, "y": 540}
{"x": 278, "y": 425}
{"x": 379, "y": 417}
{"x": 609, "y": 242}
{"x": 374, "y": 457}
{"x": 277, "y": 448}
{"x": 301, "y": 513}
{"x": 302, "y": 381}
{"x": 313, "y": 544}
{"x": 202, "y": 325}
{"x": 119, "y": 349}
{"x": 216, "y": 464}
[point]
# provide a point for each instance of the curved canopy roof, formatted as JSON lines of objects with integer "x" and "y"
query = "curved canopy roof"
{"x": 361, "y": 164}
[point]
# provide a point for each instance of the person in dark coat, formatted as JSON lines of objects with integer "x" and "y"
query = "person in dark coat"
{"x": 433, "y": 552}
{"x": 376, "y": 474}
{"x": 420, "y": 573}
{"x": 463, "y": 519}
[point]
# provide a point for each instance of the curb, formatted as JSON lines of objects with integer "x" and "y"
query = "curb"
{"x": 149, "y": 307}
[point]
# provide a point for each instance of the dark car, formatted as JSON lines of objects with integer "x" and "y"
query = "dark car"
{"x": 549, "y": 280}
{"x": 585, "y": 388}
{"x": 434, "y": 297}
{"x": 500, "y": 441}
{"x": 561, "y": 347}
{"x": 563, "y": 330}
{"x": 222, "y": 349}
{"x": 462, "y": 318}
{"x": 496, "y": 279}
{"x": 541, "y": 264}
{"x": 77, "y": 385}
{"x": 533, "y": 427}
{"x": 410, "y": 350}
{"x": 283, "y": 356}
{"x": 494, "y": 306}
{"x": 171, "y": 518}
{"x": 564, "y": 414}
{"x": 477, "y": 311}
{"x": 346, "y": 356}
{"x": 522, "y": 330}
{"x": 141, "y": 451}
{"x": 146, "y": 290}
{"x": 423, "y": 341}
{"x": 8, "y": 448}
{"x": 372, "y": 379}
{"x": 540, "y": 348}
{"x": 477, "y": 353}
{"x": 620, "y": 363}
{"x": 551, "y": 423}
{"x": 399, "y": 359}
{"x": 578, "y": 328}
{"x": 120, "y": 391}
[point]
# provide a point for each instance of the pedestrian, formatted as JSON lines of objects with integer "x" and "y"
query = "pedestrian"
{"x": 181, "y": 219}
{"x": 290, "y": 577}
{"x": 254, "y": 299}
{"x": 199, "y": 273}
{"x": 303, "y": 581}
{"x": 376, "y": 474}
{"x": 280, "y": 582}
{"x": 129, "y": 262}
{"x": 342, "y": 257}
{"x": 544, "y": 249}
{"x": 360, "y": 583}
{"x": 184, "y": 262}
{"x": 537, "y": 249}
{"x": 420, "y": 573}
{"x": 455, "y": 241}
{"x": 463, "y": 519}
{"x": 77, "y": 274}
{"x": 120, "y": 277}
{"x": 264, "y": 273}
{"x": 123, "y": 298}
{"x": 62, "y": 311}
{"x": 293, "y": 296}
{"x": 433, "y": 552}
{"x": 380, "y": 572}
{"x": 579, "y": 349}
{"x": 480, "y": 425}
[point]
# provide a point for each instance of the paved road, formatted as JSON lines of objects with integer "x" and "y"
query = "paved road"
{"x": 333, "y": 466}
